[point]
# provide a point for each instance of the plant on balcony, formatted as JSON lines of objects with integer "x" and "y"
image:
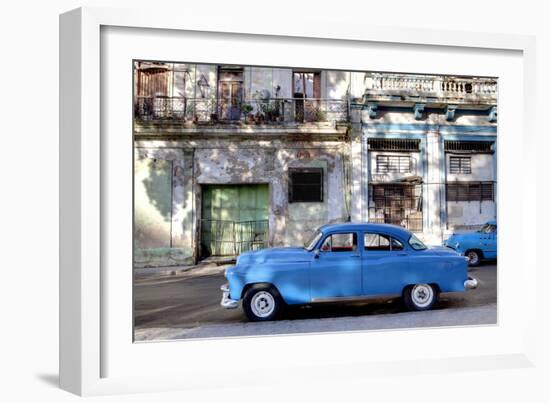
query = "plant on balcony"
{"x": 246, "y": 108}
{"x": 319, "y": 115}
{"x": 246, "y": 111}
{"x": 268, "y": 109}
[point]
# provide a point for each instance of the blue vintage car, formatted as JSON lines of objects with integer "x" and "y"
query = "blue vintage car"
{"x": 476, "y": 246}
{"x": 345, "y": 262}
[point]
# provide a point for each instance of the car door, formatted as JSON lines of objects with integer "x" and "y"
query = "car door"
{"x": 385, "y": 264}
{"x": 336, "y": 268}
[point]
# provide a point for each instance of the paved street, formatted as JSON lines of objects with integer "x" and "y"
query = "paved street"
{"x": 186, "y": 305}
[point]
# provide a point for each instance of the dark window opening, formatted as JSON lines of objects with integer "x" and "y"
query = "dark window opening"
{"x": 393, "y": 163}
{"x": 460, "y": 165}
{"x": 470, "y": 191}
{"x": 394, "y": 144}
{"x": 305, "y": 185}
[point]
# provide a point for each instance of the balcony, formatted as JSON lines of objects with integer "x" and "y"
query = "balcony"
{"x": 273, "y": 111}
{"x": 431, "y": 89}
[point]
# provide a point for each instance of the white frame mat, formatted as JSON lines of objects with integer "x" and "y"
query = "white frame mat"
{"x": 97, "y": 355}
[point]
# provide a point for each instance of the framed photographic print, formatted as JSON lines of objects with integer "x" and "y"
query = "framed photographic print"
{"x": 264, "y": 194}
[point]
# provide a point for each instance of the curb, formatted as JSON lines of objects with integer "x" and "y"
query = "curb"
{"x": 169, "y": 270}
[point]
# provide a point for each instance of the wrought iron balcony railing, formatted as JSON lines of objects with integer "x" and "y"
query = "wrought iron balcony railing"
{"x": 272, "y": 110}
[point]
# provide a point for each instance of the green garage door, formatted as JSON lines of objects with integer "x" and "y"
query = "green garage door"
{"x": 234, "y": 219}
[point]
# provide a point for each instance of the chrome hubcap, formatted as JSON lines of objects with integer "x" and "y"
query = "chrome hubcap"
{"x": 262, "y": 304}
{"x": 422, "y": 295}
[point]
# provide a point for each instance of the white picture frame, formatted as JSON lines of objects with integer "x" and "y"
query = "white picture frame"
{"x": 97, "y": 355}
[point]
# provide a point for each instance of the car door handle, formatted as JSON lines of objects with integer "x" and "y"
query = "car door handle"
{"x": 355, "y": 256}
{"x": 402, "y": 253}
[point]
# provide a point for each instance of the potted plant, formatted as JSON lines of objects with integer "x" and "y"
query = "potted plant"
{"x": 246, "y": 110}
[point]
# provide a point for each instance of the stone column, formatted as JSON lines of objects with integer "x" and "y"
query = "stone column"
{"x": 433, "y": 197}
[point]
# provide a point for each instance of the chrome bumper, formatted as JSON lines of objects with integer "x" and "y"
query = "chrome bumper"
{"x": 227, "y": 302}
{"x": 471, "y": 283}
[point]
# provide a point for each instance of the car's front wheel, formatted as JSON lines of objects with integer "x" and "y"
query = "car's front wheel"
{"x": 420, "y": 297}
{"x": 262, "y": 303}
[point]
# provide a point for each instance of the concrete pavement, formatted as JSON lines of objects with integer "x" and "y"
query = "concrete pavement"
{"x": 186, "y": 305}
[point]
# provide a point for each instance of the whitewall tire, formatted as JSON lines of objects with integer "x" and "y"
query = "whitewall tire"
{"x": 420, "y": 297}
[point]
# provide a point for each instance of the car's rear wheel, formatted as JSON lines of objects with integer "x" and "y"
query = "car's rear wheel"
{"x": 420, "y": 297}
{"x": 474, "y": 257}
{"x": 262, "y": 303}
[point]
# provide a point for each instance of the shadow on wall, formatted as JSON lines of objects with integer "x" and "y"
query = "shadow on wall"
{"x": 158, "y": 186}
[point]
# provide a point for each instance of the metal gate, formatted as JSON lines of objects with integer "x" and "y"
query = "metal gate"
{"x": 233, "y": 219}
{"x": 230, "y": 238}
{"x": 398, "y": 204}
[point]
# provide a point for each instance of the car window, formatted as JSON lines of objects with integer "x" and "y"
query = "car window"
{"x": 396, "y": 244}
{"x": 381, "y": 242}
{"x": 340, "y": 243}
{"x": 488, "y": 229}
{"x": 310, "y": 244}
{"x": 376, "y": 242}
{"x": 416, "y": 243}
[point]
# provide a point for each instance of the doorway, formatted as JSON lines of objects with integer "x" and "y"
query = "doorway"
{"x": 234, "y": 219}
{"x": 230, "y": 93}
{"x": 307, "y": 93}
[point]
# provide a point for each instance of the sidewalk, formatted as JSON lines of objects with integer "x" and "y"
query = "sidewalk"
{"x": 484, "y": 315}
{"x": 204, "y": 268}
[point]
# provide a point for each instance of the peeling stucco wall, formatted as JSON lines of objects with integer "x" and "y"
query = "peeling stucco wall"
{"x": 433, "y": 129}
{"x": 466, "y": 214}
{"x": 289, "y": 223}
{"x": 163, "y": 207}
{"x": 167, "y": 233}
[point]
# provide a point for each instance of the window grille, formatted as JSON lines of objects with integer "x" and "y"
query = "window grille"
{"x": 470, "y": 191}
{"x": 469, "y": 146}
{"x": 393, "y": 163}
{"x": 394, "y": 144}
{"x": 460, "y": 165}
{"x": 396, "y": 204}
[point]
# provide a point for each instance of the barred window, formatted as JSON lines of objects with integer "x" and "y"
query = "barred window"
{"x": 470, "y": 191}
{"x": 393, "y": 163}
{"x": 393, "y": 144}
{"x": 469, "y": 146}
{"x": 305, "y": 185}
{"x": 460, "y": 165}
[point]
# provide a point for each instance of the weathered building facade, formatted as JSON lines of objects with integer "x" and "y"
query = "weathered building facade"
{"x": 233, "y": 158}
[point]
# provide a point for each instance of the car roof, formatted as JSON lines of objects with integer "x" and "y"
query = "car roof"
{"x": 389, "y": 229}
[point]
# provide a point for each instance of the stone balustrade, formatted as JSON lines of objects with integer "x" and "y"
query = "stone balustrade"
{"x": 477, "y": 90}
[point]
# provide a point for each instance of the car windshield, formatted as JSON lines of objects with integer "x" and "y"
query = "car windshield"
{"x": 487, "y": 229}
{"x": 416, "y": 243}
{"x": 309, "y": 245}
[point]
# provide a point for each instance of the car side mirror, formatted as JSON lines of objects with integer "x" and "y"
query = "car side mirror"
{"x": 316, "y": 254}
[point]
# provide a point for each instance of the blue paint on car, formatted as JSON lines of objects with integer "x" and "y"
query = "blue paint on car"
{"x": 347, "y": 261}
{"x": 481, "y": 244}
